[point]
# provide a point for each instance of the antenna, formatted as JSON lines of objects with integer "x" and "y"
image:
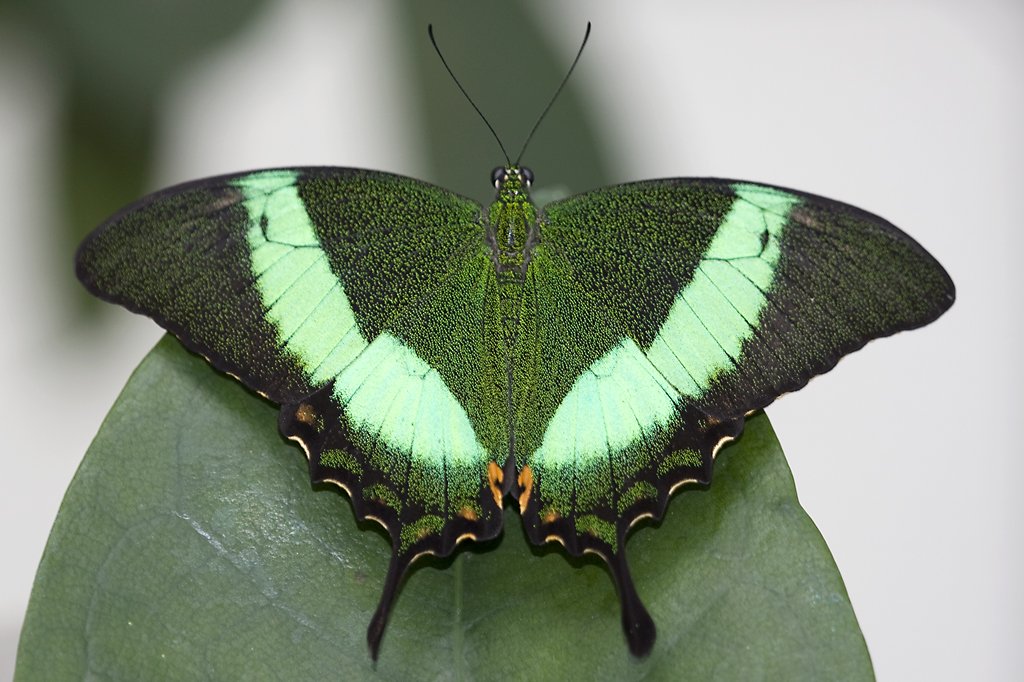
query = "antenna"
{"x": 579, "y": 53}
{"x": 430, "y": 32}
{"x": 554, "y": 97}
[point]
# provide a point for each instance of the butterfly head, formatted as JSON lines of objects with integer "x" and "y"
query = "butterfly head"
{"x": 512, "y": 182}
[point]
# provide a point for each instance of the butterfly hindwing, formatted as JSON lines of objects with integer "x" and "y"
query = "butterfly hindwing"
{"x": 355, "y": 300}
{"x": 693, "y": 302}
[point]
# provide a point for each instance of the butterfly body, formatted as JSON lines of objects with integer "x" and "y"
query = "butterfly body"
{"x": 582, "y": 361}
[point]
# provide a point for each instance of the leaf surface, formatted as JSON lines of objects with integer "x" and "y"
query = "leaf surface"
{"x": 191, "y": 545}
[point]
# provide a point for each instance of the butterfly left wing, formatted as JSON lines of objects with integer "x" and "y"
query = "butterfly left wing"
{"x": 355, "y": 300}
{"x": 679, "y": 306}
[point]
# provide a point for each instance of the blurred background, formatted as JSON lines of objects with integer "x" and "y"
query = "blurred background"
{"x": 903, "y": 455}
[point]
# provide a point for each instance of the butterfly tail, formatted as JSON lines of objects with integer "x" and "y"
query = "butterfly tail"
{"x": 374, "y": 633}
{"x": 636, "y": 622}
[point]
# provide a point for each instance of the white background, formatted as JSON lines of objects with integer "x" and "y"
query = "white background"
{"x": 903, "y": 455}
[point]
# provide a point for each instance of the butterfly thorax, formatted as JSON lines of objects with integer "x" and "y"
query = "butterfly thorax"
{"x": 512, "y": 223}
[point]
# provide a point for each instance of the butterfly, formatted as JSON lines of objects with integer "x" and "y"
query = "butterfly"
{"x": 435, "y": 358}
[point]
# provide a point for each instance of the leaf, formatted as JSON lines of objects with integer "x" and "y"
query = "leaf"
{"x": 190, "y": 545}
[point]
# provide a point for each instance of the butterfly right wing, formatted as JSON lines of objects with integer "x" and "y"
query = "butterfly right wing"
{"x": 677, "y": 307}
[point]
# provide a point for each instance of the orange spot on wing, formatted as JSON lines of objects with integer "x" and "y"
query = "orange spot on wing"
{"x": 494, "y": 477}
{"x": 305, "y": 414}
{"x": 468, "y": 514}
{"x": 526, "y": 483}
{"x": 552, "y": 515}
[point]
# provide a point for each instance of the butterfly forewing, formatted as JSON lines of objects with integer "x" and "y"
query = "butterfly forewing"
{"x": 182, "y": 257}
{"x": 739, "y": 292}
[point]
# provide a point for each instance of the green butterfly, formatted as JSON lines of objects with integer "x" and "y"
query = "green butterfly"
{"x": 587, "y": 359}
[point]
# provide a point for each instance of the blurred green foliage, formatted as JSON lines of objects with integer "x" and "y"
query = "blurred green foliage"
{"x": 117, "y": 57}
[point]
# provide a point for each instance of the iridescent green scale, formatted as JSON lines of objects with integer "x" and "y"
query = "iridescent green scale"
{"x": 582, "y": 361}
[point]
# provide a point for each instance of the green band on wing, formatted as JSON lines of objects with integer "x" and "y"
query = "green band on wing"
{"x": 629, "y": 393}
{"x": 390, "y": 387}
{"x": 385, "y": 387}
{"x": 611, "y": 405}
{"x": 303, "y": 297}
{"x": 715, "y": 314}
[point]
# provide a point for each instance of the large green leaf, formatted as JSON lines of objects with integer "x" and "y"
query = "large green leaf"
{"x": 190, "y": 545}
